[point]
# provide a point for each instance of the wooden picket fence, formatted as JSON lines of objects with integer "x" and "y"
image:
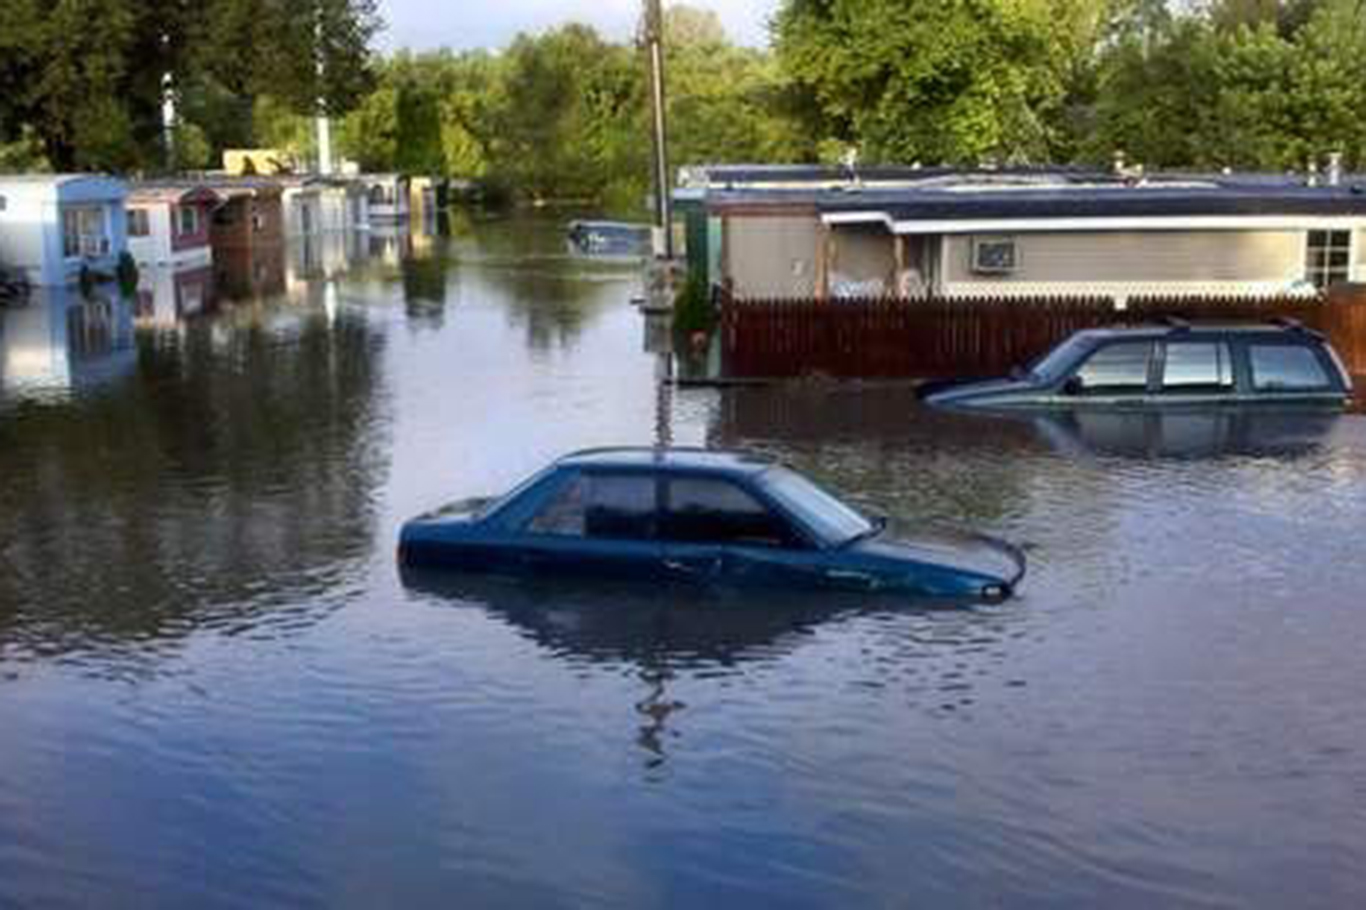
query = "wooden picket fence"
{"x": 879, "y": 338}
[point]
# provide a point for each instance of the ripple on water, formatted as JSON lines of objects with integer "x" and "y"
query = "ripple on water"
{"x": 216, "y": 690}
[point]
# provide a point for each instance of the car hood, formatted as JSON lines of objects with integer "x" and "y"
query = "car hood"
{"x": 961, "y": 551}
{"x": 984, "y": 392}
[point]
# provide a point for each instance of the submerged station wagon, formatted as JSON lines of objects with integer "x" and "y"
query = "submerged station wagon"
{"x": 699, "y": 516}
{"x": 1173, "y": 365}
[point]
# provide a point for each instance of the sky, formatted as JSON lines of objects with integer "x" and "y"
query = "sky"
{"x": 424, "y": 24}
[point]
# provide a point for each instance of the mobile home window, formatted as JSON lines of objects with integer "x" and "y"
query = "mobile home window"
{"x": 138, "y": 223}
{"x": 3, "y": 203}
{"x": 83, "y": 232}
{"x": 1329, "y": 257}
{"x": 994, "y": 255}
{"x": 188, "y": 219}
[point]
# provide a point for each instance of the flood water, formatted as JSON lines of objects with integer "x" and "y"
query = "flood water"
{"x": 216, "y": 690}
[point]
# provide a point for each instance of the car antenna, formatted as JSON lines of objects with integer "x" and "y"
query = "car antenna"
{"x": 1175, "y": 322}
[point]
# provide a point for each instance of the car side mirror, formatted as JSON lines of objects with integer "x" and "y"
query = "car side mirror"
{"x": 1073, "y": 385}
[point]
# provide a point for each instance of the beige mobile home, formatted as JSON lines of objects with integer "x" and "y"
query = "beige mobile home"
{"x": 1031, "y": 233}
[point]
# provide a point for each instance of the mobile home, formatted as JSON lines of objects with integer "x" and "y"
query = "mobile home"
{"x": 53, "y": 226}
{"x": 827, "y": 233}
{"x": 169, "y": 225}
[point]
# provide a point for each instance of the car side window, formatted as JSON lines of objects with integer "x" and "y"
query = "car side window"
{"x": 1286, "y": 368}
{"x": 601, "y": 506}
{"x": 702, "y": 510}
{"x": 1119, "y": 368}
{"x": 1197, "y": 366}
{"x": 564, "y": 514}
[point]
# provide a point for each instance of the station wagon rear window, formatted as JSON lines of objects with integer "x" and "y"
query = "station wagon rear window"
{"x": 1197, "y": 365}
{"x": 1286, "y": 368}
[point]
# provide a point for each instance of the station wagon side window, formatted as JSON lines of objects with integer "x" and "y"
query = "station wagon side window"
{"x": 707, "y": 510}
{"x": 1197, "y": 366}
{"x": 1286, "y": 368}
{"x": 1116, "y": 368}
{"x": 600, "y": 506}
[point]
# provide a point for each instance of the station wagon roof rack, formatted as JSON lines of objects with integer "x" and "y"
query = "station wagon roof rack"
{"x": 1291, "y": 324}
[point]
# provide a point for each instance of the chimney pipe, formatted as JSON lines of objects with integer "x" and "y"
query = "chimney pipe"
{"x": 1335, "y": 169}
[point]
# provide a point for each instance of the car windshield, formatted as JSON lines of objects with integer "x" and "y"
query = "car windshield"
{"x": 832, "y": 521}
{"x": 1053, "y": 365}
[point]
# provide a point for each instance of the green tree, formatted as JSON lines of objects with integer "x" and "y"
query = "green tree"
{"x": 935, "y": 80}
{"x": 569, "y": 120}
{"x": 1157, "y": 83}
{"x": 369, "y": 135}
{"x": 726, "y": 103}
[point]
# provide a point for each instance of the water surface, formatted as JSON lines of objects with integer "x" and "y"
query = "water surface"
{"x": 217, "y": 690}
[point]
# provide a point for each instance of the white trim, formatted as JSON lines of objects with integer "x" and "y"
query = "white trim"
{"x": 1122, "y": 289}
{"x": 1105, "y": 223}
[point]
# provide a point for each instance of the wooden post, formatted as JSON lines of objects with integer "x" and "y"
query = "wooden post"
{"x": 899, "y": 252}
{"x": 823, "y": 251}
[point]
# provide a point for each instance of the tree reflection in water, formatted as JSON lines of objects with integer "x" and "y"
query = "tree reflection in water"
{"x": 239, "y": 470}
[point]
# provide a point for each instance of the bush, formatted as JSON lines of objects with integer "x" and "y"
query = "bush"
{"x": 127, "y": 274}
{"x": 693, "y": 310}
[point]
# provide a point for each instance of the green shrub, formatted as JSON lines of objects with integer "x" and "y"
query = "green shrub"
{"x": 693, "y": 310}
{"x": 127, "y": 274}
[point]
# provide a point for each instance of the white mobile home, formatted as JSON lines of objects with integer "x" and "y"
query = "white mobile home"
{"x": 54, "y": 225}
{"x": 389, "y": 197}
{"x": 345, "y": 206}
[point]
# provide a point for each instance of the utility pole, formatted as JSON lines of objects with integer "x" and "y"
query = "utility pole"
{"x": 654, "y": 40}
{"x": 324, "y": 123}
{"x": 168, "y": 107}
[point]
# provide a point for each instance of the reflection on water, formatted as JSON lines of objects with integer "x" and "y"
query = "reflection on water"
{"x": 60, "y": 342}
{"x": 167, "y": 297}
{"x": 217, "y": 690}
{"x": 236, "y": 475}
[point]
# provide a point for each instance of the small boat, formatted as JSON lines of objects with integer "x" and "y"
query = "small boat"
{"x": 609, "y": 238}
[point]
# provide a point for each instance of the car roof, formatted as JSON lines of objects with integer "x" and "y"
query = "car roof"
{"x": 672, "y": 458}
{"x": 1179, "y": 328}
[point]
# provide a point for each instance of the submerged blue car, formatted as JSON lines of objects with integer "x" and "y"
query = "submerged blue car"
{"x": 699, "y": 516}
{"x": 1176, "y": 366}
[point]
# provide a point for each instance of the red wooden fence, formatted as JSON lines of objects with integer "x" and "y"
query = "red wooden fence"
{"x": 892, "y": 338}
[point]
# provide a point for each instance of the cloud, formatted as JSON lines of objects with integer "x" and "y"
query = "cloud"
{"x": 422, "y": 25}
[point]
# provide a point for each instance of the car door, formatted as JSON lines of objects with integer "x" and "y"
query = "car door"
{"x": 600, "y": 523}
{"x": 1115, "y": 375}
{"x": 713, "y": 528}
{"x": 1196, "y": 387}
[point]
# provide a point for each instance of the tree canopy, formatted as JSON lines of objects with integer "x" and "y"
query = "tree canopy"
{"x": 564, "y": 114}
{"x": 87, "y": 77}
